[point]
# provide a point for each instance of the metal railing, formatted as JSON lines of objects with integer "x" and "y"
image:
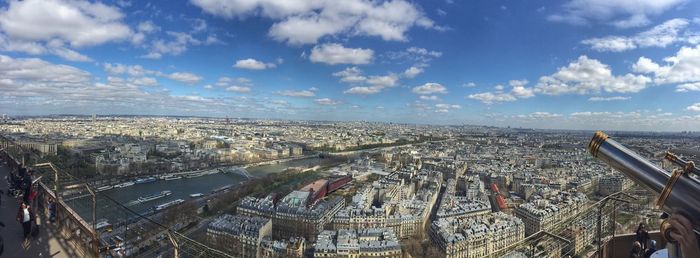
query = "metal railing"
{"x": 78, "y": 209}
{"x": 584, "y": 233}
{"x": 66, "y": 221}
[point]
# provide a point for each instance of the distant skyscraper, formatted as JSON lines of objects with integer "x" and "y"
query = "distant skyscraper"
{"x": 94, "y": 117}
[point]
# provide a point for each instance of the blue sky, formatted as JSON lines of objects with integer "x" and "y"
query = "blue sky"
{"x": 577, "y": 64}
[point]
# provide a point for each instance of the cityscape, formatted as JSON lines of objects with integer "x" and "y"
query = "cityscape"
{"x": 355, "y": 128}
{"x": 275, "y": 188}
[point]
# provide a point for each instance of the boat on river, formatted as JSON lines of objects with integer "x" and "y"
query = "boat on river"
{"x": 125, "y": 184}
{"x": 104, "y": 188}
{"x": 145, "y": 180}
{"x": 171, "y": 177}
{"x": 167, "y": 204}
{"x": 154, "y": 196}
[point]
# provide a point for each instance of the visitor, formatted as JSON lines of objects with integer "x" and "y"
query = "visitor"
{"x": 25, "y": 216}
{"x": 636, "y": 250}
{"x": 642, "y": 236}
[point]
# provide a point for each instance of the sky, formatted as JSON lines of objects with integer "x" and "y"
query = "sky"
{"x": 574, "y": 64}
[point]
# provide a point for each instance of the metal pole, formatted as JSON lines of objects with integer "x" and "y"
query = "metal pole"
{"x": 600, "y": 210}
{"x": 614, "y": 227}
{"x": 176, "y": 247}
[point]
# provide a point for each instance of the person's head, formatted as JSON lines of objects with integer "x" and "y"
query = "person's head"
{"x": 23, "y": 205}
{"x": 636, "y": 246}
{"x": 652, "y": 244}
{"x": 641, "y": 226}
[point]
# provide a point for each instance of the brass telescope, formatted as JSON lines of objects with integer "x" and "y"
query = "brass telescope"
{"x": 678, "y": 191}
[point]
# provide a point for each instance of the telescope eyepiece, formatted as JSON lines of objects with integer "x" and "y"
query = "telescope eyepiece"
{"x": 598, "y": 138}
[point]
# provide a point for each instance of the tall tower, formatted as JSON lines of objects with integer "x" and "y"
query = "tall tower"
{"x": 94, "y": 117}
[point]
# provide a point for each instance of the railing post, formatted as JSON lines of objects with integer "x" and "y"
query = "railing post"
{"x": 600, "y": 233}
{"x": 176, "y": 246}
{"x": 614, "y": 227}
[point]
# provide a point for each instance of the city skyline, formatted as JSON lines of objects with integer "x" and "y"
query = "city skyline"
{"x": 573, "y": 65}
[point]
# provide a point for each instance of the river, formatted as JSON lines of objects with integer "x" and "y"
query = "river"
{"x": 181, "y": 189}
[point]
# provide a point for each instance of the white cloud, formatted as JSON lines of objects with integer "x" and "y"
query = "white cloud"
{"x": 518, "y": 91}
{"x": 148, "y": 27}
{"x": 418, "y": 55}
{"x": 365, "y": 85}
{"x": 611, "y": 44}
{"x": 334, "y": 53}
{"x": 305, "y": 22}
{"x": 350, "y": 75}
{"x": 661, "y": 35}
{"x": 144, "y": 81}
{"x": 69, "y": 54}
{"x": 431, "y": 98}
{"x": 522, "y": 92}
{"x": 326, "y": 101}
{"x": 429, "y": 88}
{"x": 142, "y": 30}
{"x": 469, "y": 85}
{"x": 139, "y": 76}
{"x": 681, "y": 68}
{"x": 363, "y": 90}
{"x": 618, "y": 13}
{"x": 695, "y": 86}
{"x": 422, "y": 52}
{"x": 238, "y": 85}
{"x": 585, "y": 76}
{"x": 35, "y": 86}
{"x": 412, "y": 72}
{"x": 53, "y": 47}
{"x": 615, "y": 98}
{"x": 252, "y": 64}
{"x": 131, "y": 70}
{"x": 199, "y": 25}
{"x": 543, "y": 115}
{"x": 444, "y": 108}
{"x": 238, "y": 89}
{"x": 383, "y": 81}
{"x": 185, "y": 77}
{"x": 175, "y": 44}
{"x": 695, "y": 107}
{"x": 607, "y": 114}
{"x": 34, "y": 70}
{"x": 490, "y": 98}
{"x": 76, "y": 22}
{"x": 302, "y": 93}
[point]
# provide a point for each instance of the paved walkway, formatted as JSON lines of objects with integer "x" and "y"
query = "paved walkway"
{"x": 46, "y": 244}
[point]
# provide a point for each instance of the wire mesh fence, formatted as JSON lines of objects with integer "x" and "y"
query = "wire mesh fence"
{"x": 96, "y": 224}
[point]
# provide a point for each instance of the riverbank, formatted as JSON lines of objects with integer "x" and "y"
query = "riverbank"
{"x": 110, "y": 183}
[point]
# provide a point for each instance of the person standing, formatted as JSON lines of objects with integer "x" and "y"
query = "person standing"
{"x": 637, "y": 251}
{"x": 26, "y": 187}
{"x": 25, "y": 216}
{"x": 651, "y": 250}
{"x": 642, "y": 236}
